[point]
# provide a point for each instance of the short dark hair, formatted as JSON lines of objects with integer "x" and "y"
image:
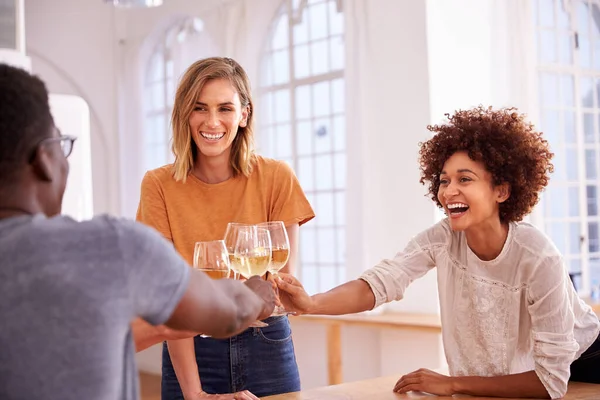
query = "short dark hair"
{"x": 25, "y": 118}
{"x": 511, "y": 149}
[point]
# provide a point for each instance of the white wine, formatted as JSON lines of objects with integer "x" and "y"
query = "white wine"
{"x": 253, "y": 265}
{"x": 216, "y": 273}
{"x": 279, "y": 257}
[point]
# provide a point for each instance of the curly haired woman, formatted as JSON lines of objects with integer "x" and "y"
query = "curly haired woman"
{"x": 513, "y": 326}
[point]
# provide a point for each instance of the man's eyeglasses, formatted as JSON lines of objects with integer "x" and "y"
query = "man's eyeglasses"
{"x": 66, "y": 143}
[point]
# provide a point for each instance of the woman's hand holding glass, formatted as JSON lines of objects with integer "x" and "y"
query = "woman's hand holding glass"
{"x": 293, "y": 296}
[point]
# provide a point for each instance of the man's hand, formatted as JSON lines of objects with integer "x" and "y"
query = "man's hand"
{"x": 425, "y": 380}
{"x": 264, "y": 290}
{"x": 292, "y": 295}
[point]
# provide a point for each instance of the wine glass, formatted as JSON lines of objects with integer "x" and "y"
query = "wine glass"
{"x": 280, "y": 253}
{"x": 231, "y": 235}
{"x": 252, "y": 254}
{"x": 212, "y": 259}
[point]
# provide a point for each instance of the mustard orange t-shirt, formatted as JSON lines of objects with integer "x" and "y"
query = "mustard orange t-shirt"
{"x": 195, "y": 211}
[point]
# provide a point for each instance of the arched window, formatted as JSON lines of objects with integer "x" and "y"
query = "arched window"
{"x": 568, "y": 44}
{"x": 302, "y": 121}
{"x": 181, "y": 45}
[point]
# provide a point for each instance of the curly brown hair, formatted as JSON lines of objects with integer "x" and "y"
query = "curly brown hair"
{"x": 509, "y": 147}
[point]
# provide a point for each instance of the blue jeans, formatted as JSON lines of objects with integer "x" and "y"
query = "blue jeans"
{"x": 260, "y": 360}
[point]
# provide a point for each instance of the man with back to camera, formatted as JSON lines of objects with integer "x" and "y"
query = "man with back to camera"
{"x": 69, "y": 290}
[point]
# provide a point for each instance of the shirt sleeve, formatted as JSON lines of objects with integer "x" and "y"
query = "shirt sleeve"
{"x": 290, "y": 204}
{"x": 552, "y": 319}
{"x": 152, "y": 210}
{"x": 157, "y": 276}
{"x": 390, "y": 278}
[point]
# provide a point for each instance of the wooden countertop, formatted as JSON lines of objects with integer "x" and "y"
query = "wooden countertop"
{"x": 381, "y": 389}
{"x": 385, "y": 320}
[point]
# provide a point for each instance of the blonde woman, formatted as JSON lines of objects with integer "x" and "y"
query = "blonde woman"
{"x": 216, "y": 179}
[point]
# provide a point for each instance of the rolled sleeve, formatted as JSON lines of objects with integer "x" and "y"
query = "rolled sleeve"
{"x": 554, "y": 343}
{"x": 390, "y": 278}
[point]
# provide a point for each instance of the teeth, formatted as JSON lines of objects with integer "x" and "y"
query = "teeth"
{"x": 213, "y": 136}
{"x": 457, "y": 205}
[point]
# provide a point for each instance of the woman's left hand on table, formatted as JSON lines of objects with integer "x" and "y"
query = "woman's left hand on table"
{"x": 425, "y": 380}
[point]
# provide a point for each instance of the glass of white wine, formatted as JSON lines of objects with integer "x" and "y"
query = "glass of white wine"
{"x": 212, "y": 259}
{"x": 280, "y": 252}
{"x": 252, "y": 254}
{"x": 231, "y": 235}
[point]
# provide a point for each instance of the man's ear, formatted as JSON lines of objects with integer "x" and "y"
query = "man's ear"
{"x": 503, "y": 192}
{"x": 40, "y": 163}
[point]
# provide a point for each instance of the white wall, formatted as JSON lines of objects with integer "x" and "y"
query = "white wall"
{"x": 408, "y": 63}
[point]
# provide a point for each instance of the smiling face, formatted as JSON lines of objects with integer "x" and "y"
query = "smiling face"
{"x": 216, "y": 117}
{"x": 468, "y": 194}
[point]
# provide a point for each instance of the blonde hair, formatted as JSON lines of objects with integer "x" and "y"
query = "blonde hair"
{"x": 192, "y": 82}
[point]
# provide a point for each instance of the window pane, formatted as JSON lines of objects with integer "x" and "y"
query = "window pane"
{"x": 572, "y": 167}
{"x": 304, "y": 138}
{"x": 562, "y": 16}
{"x": 340, "y": 170}
{"x": 336, "y": 45}
{"x": 308, "y": 244}
{"x": 596, "y": 53}
{"x": 574, "y": 202}
{"x": 595, "y": 270}
{"x": 283, "y": 141}
{"x": 593, "y": 244}
{"x": 560, "y": 173}
{"x": 281, "y": 67}
{"x": 328, "y": 277}
{"x": 574, "y": 238}
{"x": 341, "y": 246}
{"x": 324, "y": 209}
{"x": 156, "y": 71}
{"x": 301, "y": 30}
{"x": 587, "y": 92}
{"x": 305, "y": 173}
{"x": 585, "y": 52}
{"x": 321, "y": 99}
{"x": 568, "y": 90}
{"x": 318, "y": 21}
{"x": 547, "y": 46}
{"x": 557, "y": 234}
{"x": 326, "y": 240}
{"x": 281, "y": 100}
{"x": 570, "y": 129}
{"x": 303, "y": 102}
{"x": 310, "y": 278}
{"x": 323, "y": 164}
{"x": 340, "y": 208}
{"x": 590, "y": 164}
{"x": 582, "y": 17}
{"x": 588, "y": 127}
{"x": 549, "y": 89}
{"x": 322, "y": 135}
{"x": 556, "y": 202}
{"x": 337, "y": 95}
{"x": 319, "y": 57}
{"x": 545, "y": 12}
{"x": 339, "y": 133}
{"x": 565, "y": 48}
{"x": 158, "y": 96}
{"x": 551, "y": 126}
{"x": 336, "y": 19}
{"x": 592, "y": 200}
{"x": 301, "y": 62}
{"x": 279, "y": 39}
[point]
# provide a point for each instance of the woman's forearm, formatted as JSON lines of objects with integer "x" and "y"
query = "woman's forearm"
{"x": 183, "y": 358}
{"x": 144, "y": 334}
{"x": 351, "y": 297}
{"x": 526, "y": 384}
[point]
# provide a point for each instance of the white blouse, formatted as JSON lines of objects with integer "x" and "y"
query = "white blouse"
{"x": 516, "y": 313}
